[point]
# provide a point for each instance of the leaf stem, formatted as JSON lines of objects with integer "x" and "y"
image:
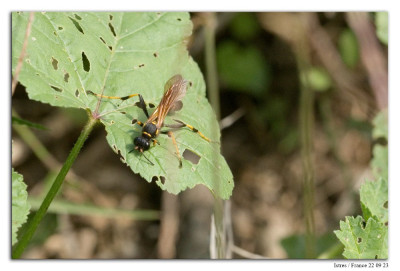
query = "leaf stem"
{"x": 33, "y": 224}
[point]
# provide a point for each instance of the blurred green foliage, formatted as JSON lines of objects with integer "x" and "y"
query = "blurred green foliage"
{"x": 348, "y": 48}
{"x": 381, "y": 22}
{"x": 295, "y": 245}
{"x": 317, "y": 79}
{"x": 241, "y": 64}
{"x": 244, "y": 26}
{"x": 243, "y": 68}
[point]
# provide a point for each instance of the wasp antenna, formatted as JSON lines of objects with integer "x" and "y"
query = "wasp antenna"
{"x": 147, "y": 159}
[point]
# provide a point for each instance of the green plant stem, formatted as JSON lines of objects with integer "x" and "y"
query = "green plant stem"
{"x": 210, "y": 26}
{"x": 306, "y": 127}
{"x": 33, "y": 224}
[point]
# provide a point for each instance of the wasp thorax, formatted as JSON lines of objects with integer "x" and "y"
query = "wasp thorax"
{"x": 141, "y": 143}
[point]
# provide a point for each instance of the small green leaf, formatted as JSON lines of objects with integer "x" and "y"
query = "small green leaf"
{"x": 381, "y": 22}
{"x": 118, "y": 54}
{"x": 20, "y": 207}
{"x": 317, "y": 78}
{"x": 348, "y": 47}
{"x": 20, "y": 121}
{"x": 363, "y": 242}
{"x": 374, "y": 200}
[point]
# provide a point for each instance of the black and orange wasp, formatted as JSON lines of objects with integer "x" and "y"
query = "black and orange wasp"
{"x": 174, "y": 91}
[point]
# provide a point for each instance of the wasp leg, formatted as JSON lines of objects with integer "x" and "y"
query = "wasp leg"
{"x": 112, "y": 97}
{"x": 155, "y": 141}
{"x": 171, "y": 135}
{"x": 142, "y": 105}
{"x": 181, "y": 124}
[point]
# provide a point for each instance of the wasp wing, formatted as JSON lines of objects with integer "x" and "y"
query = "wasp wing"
{"x": 174, "y": 91}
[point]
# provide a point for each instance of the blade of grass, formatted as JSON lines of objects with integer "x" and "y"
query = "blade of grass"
{"x": 33, "y": 224}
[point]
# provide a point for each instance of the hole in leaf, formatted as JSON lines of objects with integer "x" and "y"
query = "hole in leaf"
{"x": 162, "y": 179}
{"x": 54, "y": 62}
{"x": 28, "y": 60}
{"x": 110, "y": 47}
{"x": 55, "y": 33}
{"x": 112, "y": 29}
{"x": 112, "y": 122}
{"x": 120, "y": 156}
{"x": 190, "y": 83}
{"x": 363, "y": 224}
{"x": 151, "y": 105}
{"x": 141, "y": 65}
{"x": 134, "y": 121}
{"x": 77, "y": 17}
{"x": 56, "y": 89}
{"x": 111, "y": 17}
{"x": 381, "y": 141}
{"x": 385, "y": 205}
{"x": 77, "y": 93}
{"x": 155, "y": 55}
{"x": 179, "y": 19}
{"x": 376, "y": 257}
{"x": 85, "y": 62}
{"x": 123, "y": 112}
{"x": 60, "y": 28}
{"x": 154, "y": 179}
{"x": 191, "y": 156}
{"x": 76, "y": 24}
{"x": 386, "y": 223}
{"x": 115, "y": 148}
{"x": 66, "y": 77}
{"x": 359, "y": 240}
{"x": 101, "y": 38}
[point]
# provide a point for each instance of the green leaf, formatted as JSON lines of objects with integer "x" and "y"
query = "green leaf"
{"x": 348, "y": 47}
{"x": 381, "y": 22}
{"x": 119, "y": 54}
{"x": 374, "y": 200}
{"x": 243, "y": 69}
{"x": 20, "y": 207}
{"x": 363, "y": 242}
{"x": 295, "y": 245}
{"x": 380, "y": 123}
{"x": 317, "y": 78}
{"x": 20, "y": 121}
{"x": 379, "y": 162}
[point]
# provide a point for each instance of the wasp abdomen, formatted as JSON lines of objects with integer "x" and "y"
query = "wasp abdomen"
{"x": 150, "y": 131}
